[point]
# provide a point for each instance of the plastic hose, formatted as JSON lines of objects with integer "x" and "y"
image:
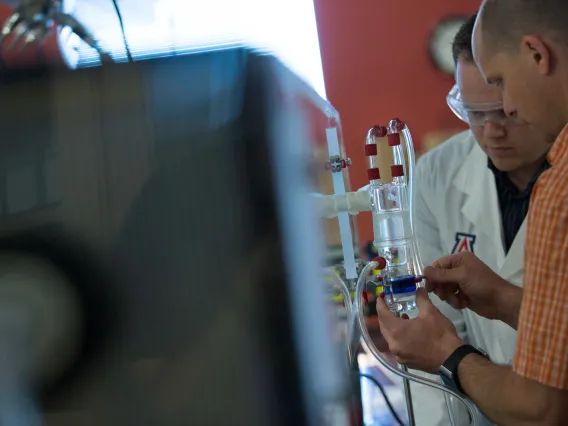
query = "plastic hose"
{"x": 359, "y": 314}
{"x": 411, "y": 192}
{"x": 345, "y": 293}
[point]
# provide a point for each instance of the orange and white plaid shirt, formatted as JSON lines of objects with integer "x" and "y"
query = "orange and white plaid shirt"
{"x": 542, "y": 340}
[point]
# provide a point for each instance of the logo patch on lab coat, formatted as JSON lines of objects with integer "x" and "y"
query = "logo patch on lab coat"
{"x": 464, "y": 242}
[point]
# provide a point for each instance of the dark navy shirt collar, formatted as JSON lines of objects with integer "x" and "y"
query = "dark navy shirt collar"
{"x": 505, "y": 184}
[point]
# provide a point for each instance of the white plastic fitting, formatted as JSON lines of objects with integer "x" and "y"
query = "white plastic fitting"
{"x": 351, "y": 202}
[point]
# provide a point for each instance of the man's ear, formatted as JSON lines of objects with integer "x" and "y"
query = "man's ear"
{"x": 535, "y": 50}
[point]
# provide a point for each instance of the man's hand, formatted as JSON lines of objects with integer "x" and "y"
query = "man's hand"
{"x": 422, "y": 343}
{"x": 464, "y": 281}
{"x": 375, "y": 332}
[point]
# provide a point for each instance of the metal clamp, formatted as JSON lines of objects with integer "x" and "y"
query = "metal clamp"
{"x": 336, "y": 163}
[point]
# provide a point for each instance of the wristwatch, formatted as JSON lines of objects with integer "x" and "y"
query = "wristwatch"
{"x": 449, "y": 369}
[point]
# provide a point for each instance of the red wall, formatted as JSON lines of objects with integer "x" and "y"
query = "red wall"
{"x": 376, "y": 67}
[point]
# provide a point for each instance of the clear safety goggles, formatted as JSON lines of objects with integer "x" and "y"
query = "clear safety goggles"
{"x": 478, "y": 114}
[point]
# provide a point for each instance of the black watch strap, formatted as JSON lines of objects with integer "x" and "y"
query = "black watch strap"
{"x": 449, "y": 369}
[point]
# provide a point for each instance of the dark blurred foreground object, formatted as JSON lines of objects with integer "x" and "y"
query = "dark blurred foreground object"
{"x": 125, "y": 180}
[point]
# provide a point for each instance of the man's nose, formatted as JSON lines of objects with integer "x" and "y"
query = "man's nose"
{"x": 493, "y": 130}
{"x": 508, "y": 107}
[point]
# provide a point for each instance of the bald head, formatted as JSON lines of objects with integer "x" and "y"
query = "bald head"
{"x": 504, "y": 22}
{"x": 521, "y": 46}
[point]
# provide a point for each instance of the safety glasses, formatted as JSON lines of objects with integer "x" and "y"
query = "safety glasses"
{"x": 478, "y": 114}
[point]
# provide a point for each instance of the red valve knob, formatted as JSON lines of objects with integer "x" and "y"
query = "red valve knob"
{"x": 381, "y": 262}
{"x": 373, "y": 174}
{"x": 343, "y": 164}
{"x": 394, "y": 139}
{"x": 396, "y": 125}
{"x": 379, "y": 131}
{"x": 370, "y": 149}
{"x": 397, "y": 170}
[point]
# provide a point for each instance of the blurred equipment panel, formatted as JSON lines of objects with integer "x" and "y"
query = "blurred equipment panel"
{"x": 158, "y": 248}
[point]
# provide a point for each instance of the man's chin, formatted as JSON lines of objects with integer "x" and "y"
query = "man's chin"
{"x": 504, "y": 165}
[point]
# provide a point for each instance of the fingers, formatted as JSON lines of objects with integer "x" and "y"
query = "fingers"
{"x": 374, "y": 330}
{"x": 388, "y": 321}
{"x": 458, "y": 301}
{"x": 442, "y": 289}
{"x": 451, "y": 294}
{"x": 424, "y": 304}
{"x": 422, "y": 300}
{"x": 386, "y": 317}
{"x": 439, "y": 275}
{"x": 389, "y": 318}
{"x": 436, "y": 286}
{"x": 448, "y": 262}
{"x": 443, "y": 262}
{"x": 445, "y": 291}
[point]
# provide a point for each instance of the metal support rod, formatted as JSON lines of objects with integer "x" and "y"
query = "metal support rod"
{"x": 408, "y": 397}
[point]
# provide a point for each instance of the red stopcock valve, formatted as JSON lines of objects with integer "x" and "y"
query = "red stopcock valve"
{"x": 396, "y": 125}
{"x": 379, "y": 131}
{"x": 381, "y": 263}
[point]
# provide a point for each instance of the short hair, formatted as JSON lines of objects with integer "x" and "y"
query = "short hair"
{"x": 461, "y": 46}
{"x": 504, "y": 22}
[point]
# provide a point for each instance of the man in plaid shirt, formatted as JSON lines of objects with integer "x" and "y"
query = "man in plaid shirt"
{"x": 520, "y": 46}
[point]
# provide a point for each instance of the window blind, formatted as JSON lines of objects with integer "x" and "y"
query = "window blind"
{"x": 285, "y": 28}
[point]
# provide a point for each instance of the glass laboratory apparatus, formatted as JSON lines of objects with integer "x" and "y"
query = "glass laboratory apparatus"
{"x": 398, "y": 267}
{"x": 391, "y": 207}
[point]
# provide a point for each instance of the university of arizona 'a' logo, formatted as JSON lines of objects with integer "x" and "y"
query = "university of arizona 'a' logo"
{"x": 464, "y": 242}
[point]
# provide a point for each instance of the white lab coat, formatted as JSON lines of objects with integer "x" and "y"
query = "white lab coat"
{"x": 457, "y": 208}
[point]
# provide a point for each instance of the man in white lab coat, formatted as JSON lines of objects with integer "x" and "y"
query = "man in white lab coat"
{"x": 473, "y": 194}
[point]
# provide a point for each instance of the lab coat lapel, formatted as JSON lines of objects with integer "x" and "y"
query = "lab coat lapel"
{"x": 482, "y": 206}
{"x": 512, "y": 268}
